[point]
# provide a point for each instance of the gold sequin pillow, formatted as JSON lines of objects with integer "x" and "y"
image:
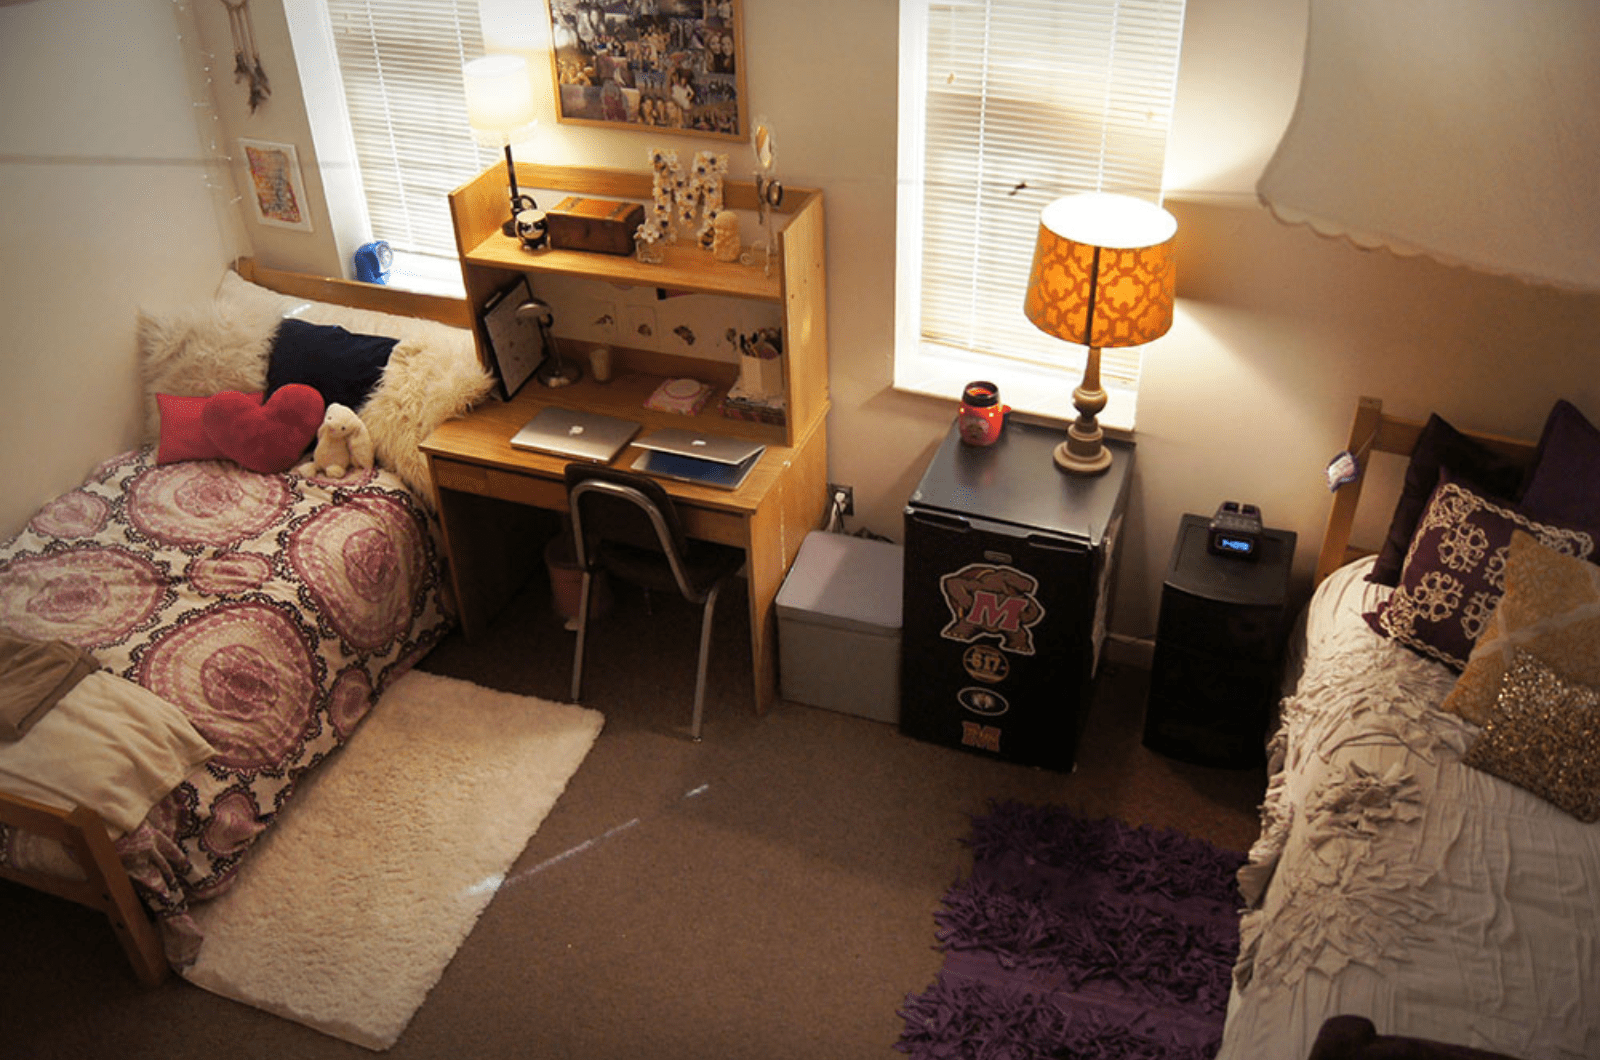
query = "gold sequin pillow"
{"x": 1544, "y": 735}
{"x": 1551, "y": 609}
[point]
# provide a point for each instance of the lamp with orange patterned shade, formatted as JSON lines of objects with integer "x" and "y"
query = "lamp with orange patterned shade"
{"x": 1102, "y": 276}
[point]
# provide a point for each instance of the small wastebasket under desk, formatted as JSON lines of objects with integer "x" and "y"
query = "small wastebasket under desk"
{"x": 839, "y": 626}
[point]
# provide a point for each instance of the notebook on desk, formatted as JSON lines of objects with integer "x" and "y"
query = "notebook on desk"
{"x": 710, "y": 460}
{"x": 576, "y": 433}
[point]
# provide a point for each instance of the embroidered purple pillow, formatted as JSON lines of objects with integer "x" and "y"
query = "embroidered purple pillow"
{"x": 1440, "y": 447}
{"x": 1454, "y": 573}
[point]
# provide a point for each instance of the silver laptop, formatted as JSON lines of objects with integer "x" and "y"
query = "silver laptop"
{"x": 709, "y": 459}
{"x": 575, "y": 433}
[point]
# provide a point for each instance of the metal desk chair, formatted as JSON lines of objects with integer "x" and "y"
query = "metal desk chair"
{"x": 626, "y": 524}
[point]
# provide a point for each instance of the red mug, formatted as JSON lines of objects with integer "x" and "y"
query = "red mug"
{"x": 981, "y": 415}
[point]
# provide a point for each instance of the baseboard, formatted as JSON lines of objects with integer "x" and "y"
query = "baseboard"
{"x": 1123, "y": 650}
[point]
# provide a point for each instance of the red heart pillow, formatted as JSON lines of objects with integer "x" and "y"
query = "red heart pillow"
{"x": 269, "y": 437}
{"x": 183, "y": 436}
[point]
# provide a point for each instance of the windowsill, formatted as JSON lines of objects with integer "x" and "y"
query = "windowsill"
{"x": 426, "y": 274}
{"x": 1037, "y": 393}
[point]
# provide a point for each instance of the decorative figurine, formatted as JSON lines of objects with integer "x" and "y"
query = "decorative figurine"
{"x": 725, "y": 236}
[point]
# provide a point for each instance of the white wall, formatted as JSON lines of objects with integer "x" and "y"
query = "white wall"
{"x": 1278, "y": 330}
{"x": 108, "y": 198}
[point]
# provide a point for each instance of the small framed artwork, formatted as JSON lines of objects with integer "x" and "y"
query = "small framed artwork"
{"x": 277, "y": 191}
{"x": 673, "y": 66}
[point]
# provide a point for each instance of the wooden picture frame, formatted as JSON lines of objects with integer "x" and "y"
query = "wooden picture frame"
{"x": 673, "y": 66}
{"x": 277, "y": 189}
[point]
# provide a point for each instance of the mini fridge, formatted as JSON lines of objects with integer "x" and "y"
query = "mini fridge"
{"x": 1008, "y": 572}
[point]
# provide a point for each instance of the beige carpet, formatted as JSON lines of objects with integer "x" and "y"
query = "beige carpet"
{"x": 354, "y": 902}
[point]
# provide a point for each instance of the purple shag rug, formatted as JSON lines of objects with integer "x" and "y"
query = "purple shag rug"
{"x": 1077, "y": 939}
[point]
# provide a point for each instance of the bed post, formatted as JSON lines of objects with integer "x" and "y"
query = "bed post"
{"x": 1336, "y": 540}
{"x": 105, "y": 886}
{"x": 139, "y": 938}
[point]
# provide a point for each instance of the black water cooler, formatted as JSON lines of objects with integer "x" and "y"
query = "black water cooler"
{"x": 1008, "y": 570}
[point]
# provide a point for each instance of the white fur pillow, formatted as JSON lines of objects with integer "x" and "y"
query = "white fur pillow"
{"x": 422, "y": 386}
{"x": 201, "y": 352}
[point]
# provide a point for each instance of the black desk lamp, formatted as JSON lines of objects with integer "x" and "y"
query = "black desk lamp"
{"x": 500, "y": 108}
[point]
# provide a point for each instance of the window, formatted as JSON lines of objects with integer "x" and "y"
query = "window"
{"x": 1006, "y": 105}
{"x": 407, "y": 140}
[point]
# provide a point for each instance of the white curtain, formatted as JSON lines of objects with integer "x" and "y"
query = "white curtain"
{"x": 1465, "y": 130}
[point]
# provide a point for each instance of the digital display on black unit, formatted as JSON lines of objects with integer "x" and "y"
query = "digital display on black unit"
{"x": 1235, "y": 530}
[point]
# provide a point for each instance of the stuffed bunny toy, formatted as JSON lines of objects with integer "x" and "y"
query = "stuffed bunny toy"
{"x": 343, "y": 445}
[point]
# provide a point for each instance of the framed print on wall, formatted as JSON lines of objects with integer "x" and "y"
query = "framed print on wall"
{"x": 277, "y": 191}
{"x": 672, "y": 66}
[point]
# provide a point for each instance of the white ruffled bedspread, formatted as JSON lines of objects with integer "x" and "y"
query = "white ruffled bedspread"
{"x": 1393, "y": 882}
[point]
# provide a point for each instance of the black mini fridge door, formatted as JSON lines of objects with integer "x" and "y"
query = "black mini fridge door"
{"x": 1007, "y": 571}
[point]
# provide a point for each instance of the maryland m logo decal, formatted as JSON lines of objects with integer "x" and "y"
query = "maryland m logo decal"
{"x": 990, "y": 601}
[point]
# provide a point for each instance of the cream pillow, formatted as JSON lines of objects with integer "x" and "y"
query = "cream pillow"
{"x": 109, "y": 745}
{"x": 1550, "y": 609}
{"x": 200, "y": 352}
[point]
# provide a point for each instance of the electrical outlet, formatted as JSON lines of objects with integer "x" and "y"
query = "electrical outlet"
{"x": 848, "y": 506}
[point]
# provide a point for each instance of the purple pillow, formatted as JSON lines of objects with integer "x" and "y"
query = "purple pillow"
{"x": 1440, "y": 447}
{"x": 1454, "y": 574}
{"x": 1564, "y": 481}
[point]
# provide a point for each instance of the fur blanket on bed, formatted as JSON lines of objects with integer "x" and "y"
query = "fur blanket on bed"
{"x": 432, "y": 374}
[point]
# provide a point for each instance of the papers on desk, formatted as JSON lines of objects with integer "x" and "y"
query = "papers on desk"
{"x": 515, "y": 346}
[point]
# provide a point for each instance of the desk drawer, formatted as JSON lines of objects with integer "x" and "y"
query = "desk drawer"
{"x": 708, "y": 524}
{"x": 502, "y": 485}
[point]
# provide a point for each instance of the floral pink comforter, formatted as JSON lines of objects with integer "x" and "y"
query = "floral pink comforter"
{"x": 272, "y": 609}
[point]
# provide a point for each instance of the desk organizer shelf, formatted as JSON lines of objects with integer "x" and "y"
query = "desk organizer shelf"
{"x": 490, "y": 259}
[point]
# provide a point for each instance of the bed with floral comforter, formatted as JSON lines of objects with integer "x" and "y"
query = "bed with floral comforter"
{"x": 270, "y": 608}
{"x": 266, "y": 610}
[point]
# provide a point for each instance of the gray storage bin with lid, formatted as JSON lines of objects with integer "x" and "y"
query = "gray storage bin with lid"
{"x": 839, "y": 626}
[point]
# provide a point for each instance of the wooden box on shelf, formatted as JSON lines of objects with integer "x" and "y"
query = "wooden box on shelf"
{"x": 604, "y": 226}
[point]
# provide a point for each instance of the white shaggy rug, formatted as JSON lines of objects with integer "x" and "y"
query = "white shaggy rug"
{"x": 351, "y": 905}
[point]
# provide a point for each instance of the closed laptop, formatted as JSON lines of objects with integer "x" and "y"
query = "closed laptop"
{"x": 709, "y": 460}
{"x": 715, "y": 447}
{"x": 576, "y": 433}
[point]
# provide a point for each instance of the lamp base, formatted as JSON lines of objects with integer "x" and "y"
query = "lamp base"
{"x": 558, "y": 373}
{"x": 1084, "y": 451}
{"x": 1082, "y": 458}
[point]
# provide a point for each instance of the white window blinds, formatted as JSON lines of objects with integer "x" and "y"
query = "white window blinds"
{"x": 400, "y": 62}
{"x": 1007, "y": 105}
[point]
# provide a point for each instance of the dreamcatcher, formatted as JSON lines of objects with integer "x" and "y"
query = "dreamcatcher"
{"x": 246, "y": 60}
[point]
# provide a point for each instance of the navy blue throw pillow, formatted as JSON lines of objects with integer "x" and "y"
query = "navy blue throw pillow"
{"x": 342, "y": 366}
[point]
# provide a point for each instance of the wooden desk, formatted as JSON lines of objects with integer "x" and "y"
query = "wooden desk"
{"x": 481, "y": 481}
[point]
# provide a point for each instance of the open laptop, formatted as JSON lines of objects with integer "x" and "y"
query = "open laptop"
{"x": 575, "y": 433}
{"x": 708, "y": 459}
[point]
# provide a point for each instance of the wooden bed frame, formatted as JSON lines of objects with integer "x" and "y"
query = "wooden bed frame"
{"x": 1373, "y": 431}
{"x": 106, "y": 887}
